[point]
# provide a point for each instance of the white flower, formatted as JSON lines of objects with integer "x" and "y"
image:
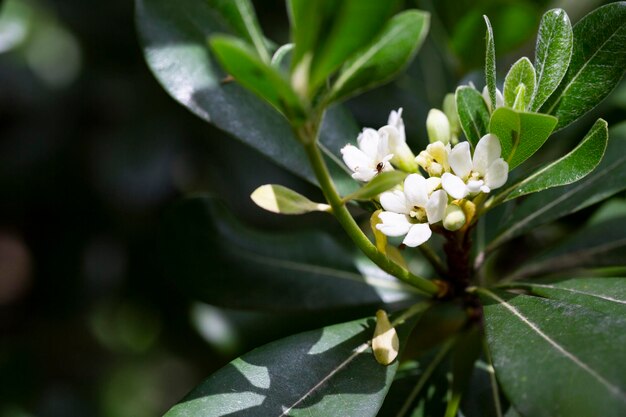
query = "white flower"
{"x": 370, "y": 158}
{"x": 438, "y": 127}
{"x": 485, "y": 172}
{"x": 499, "y": 98}
{"x": 402, "y": 155}
{"x": 410, "y": 212}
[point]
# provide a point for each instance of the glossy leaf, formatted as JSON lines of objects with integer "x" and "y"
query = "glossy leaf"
{"x": 242, "y": 18}
{"x": 379, "y": 184}
{"x": 490, "y": 61}
{"x": 214, "y": 258}
{"x": 331, "y": 31}
{"x": 257, "y": 76}
{"x": 556, "y": 359}
{"x": 521, "y": 73}
{"x": 596, "y": 245}
{"x": 577, "y": 164}
{"x": 473, "y": 113}
{"x": 606, "y": 295}
{"x": 606, "y": 180}
{"x": 597, "y": 65}
{"x": 282, "y": 200}
{"x": 174, "y": 39}
{"x": 387, "y": 55}
{"x": 553, "y": 52}
{"x": 325, "y": 372}
{"x": 521, "y": 134}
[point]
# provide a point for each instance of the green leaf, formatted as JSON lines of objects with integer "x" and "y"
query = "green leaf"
{"x": 490, "y": 62}
{"x": 597, "y": 65}
{"x": 381, "y": 183}
{"x": 334, "y": 30}
{"x": 521, "y": 73}
{"x": 473, "y": 113}
{"x": 596, "y": 245}
{"x": 241, "y": 17}
{"x": 552, "y": 54}
{"x": 220, "y": 261}
{"x": 257, "y": 76}
{"x": 325, "y": 372}
{"x": 555, "y": 359}
{"x": 282, "y": 200}
{"x": 174, "y": 40}
{"x": 606, "y": 180}
{"x": 606, "y": 295}
{"x": 387, "y": 55}
{"x": 521, "y": 134}
{"x": 577, "y": 164}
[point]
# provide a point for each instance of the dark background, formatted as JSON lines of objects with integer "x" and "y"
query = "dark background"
{"x": 93, "y": 152}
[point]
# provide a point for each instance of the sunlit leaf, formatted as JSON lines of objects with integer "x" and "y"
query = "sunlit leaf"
{"x": 490, "y": 61}
{"x": 174, "y": 40}
{"x": 556, "y": 359}
{"x": 388, "y": 54}
{"x": 260, "y": 77}
{"x": 325, "y": 372}
{"x": 606, "y": 180}
{"x": 553, "y": 52}
{"x": 597, "y": 65}
{"x": 473, "y": 113}
{"x": 521, "y": 134}
{"x": 522, "y": 73}
{"x": 572, "y": 167}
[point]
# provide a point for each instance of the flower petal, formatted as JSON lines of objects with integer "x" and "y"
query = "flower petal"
{"x": 415, "y": 190}
{"x": 460, "y": 159}
{"x": 418, "y": 234}
{"x": 395, "y": 120}
{"x": 436, "y": 206}
{"x": 394, "y": 201}
{"x": 473, "y": 186}
{"x": 432, "y": 183}
{"x": 368, "y": 142}
{"x": 454, "y": 186}
{"x": 355, "y": 159}
{"x": 487, "y": 150}
{"x": 393, "y": 224}
{"x": 364, "y": 175}
{"x": 497, "y": 174}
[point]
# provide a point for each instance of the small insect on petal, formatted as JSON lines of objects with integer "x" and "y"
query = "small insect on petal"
{"x": 385, "y": 343}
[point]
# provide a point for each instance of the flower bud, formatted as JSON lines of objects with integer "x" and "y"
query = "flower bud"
{"x": 439, "y": 152}
{"x": 454, "y": 218}
{"x": 438, "y": 127}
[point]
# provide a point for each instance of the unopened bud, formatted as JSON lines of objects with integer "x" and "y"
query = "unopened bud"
{"x": 300, "y": 75}
{"x": 454, "y": 218}
{"x": 439, "y": 152}
{"x": 438, "y": 127}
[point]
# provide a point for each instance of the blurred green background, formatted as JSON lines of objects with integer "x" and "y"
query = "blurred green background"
{"x": 93, "y": 152}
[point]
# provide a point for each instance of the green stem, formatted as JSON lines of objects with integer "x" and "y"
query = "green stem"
{"x": 307, "y": 135}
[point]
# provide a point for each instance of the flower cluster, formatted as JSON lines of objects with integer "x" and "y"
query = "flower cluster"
{"x": 451, "y": 175}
